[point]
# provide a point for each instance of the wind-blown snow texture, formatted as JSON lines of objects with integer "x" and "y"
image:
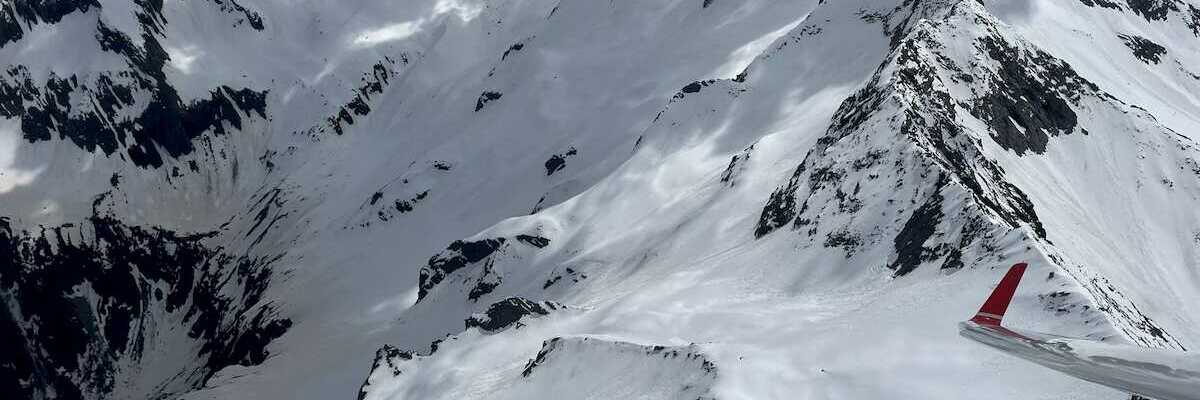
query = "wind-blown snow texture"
{"x": 467, "y": 199}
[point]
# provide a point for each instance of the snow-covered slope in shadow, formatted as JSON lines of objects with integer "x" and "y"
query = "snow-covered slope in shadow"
{"x": 376, "y": 134}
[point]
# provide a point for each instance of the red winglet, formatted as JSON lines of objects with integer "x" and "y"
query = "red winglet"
{"x": 993, "y": 309}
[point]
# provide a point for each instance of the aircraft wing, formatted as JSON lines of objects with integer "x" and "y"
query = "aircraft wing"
{"x": 1156, "y": 373}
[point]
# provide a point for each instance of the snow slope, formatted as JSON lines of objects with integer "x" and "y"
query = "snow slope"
{"x": 582, "y": 199}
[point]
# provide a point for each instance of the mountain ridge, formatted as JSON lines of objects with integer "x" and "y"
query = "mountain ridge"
{"x": 457, "y": 187}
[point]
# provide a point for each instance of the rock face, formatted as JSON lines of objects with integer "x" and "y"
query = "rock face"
{"x": 457, "y": 256}
{"x": 87, "y": 299}
{"x": 94, "y": 298}
{"x": 508, "y": 312}
{"x": 262, "y": 199}
{"x": 135, "y": 111}
{"x": 1144, "y": 49}
{"x": 19, "y": 14}
{"x": 911, "y": 95}
{"x": 558, "y": 161}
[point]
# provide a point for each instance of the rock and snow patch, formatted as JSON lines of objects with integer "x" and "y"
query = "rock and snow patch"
{"x": 509, "y": 312}
{"x": 819, "y": 222}
{"x": 584, "y": 367}
{"x": 563, "y": 368}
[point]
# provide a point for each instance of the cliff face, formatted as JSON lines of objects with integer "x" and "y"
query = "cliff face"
{"x": 475, "y": 199}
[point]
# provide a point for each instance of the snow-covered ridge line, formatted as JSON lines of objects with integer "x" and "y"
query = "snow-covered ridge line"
{"x": 1022, "y": 102}
{"x": 571, "y": 367}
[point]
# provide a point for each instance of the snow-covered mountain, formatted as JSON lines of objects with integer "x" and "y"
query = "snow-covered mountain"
{"x": 468, "y": 199}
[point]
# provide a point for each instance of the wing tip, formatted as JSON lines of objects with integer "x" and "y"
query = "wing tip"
{"x": 992, "y": 311}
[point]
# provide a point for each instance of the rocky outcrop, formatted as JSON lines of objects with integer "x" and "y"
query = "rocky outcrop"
{"x": 85, "y": 300}
{"x": 509, "y": 312}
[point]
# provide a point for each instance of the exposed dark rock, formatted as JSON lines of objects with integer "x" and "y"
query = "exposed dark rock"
{"x": 1153, "y": 10}
{"x": 511, "y": 49}
{"x": 727, "y": 175}
{"x": 568, "y": 272}
{"x": 458, "y": 255}
{"x": 516, "y": 47}
{"x": 779, "y": 211}
{"x": 736, "y": 164}
{"x": 399, "y": 206}
{"x": 845, "y": 240}
{"x": 1057, "y": 302}
{"x": 1194, "y": 23}
{"x": 388, "y": 357}
{"x": 693, "y": 87}
{"x": 269, "y": 204}
{"x": 403, "y": 206}
{"x": 537, "y": 207}
{"x": 973, "y": 229}
{"x": 547, "y": 347}
{"x": 21, "y": 374}
{"x": 370, "y": 84}
{"x": 557, "y": 350}
{"x": 247, "y": 16}
{"x": 434, "y": 345}
{"x": 1110, "y": 4}
{"x": 248, "y": 347}
{"x": 780, "y": 208}
{"x": 558, "y": 161}
{"x": 961, "y": 157}
{"x": 1144, "y": 49}
{"x": 482, "y": 288}
{"x": 741, "y": 76}
{"x": 166, "y": 124}
{"x": 507, "y": 312}
{"x": 921, "y": 226}
{"x": 29, "y": 12}
{"x": 929, "y": 118}
{"x": 10, "y": 30}
{"x": 39, "y": 274}
{"x": 535, "y": 241}
{"x": 73, "y": 347}
{"x": 486, "y": 97}
{"x": 488, "y": 281}
{"x": 1025, "y": 106}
